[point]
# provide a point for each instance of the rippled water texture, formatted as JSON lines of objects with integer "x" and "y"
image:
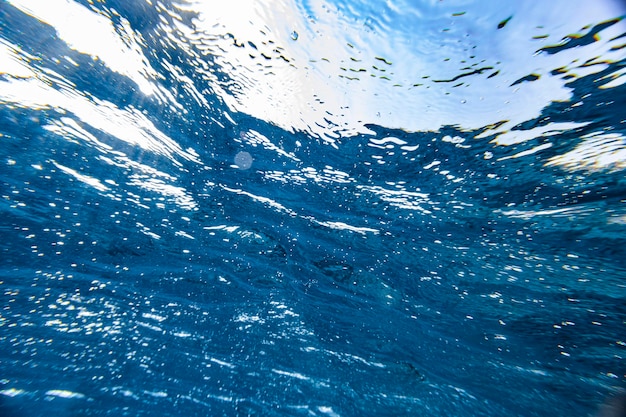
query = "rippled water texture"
{"x": 312, "y": 208}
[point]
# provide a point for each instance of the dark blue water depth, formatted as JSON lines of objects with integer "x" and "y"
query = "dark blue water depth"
{"x": 311, "y": 208}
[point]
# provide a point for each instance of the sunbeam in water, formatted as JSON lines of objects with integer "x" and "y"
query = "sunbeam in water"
{"x": 312, "y": 207}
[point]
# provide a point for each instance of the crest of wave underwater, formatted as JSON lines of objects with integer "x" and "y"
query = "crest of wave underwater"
{"x": 311, "y": 208}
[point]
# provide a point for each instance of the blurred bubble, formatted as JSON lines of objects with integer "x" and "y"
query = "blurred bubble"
{"x": 243, "y": 160}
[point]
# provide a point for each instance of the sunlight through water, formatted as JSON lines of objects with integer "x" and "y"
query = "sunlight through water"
{"x": 312, "y": 207}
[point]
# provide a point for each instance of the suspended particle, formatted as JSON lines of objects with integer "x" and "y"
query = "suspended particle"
{"x": 504, "y": 22}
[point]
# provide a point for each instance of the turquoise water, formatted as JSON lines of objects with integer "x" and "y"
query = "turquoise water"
{"x": 311, "y": 208}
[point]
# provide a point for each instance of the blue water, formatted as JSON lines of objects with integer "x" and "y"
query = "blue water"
{"x": 308, "y": 208}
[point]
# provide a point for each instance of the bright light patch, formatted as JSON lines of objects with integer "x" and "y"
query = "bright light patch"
{"x": 93, "y": 34}
{"x": 344, "y": 69}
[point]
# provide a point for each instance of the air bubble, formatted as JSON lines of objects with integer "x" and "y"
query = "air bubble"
{"x": 243, "y": 160}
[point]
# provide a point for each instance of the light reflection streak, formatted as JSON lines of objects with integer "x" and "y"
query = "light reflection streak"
{"x": 514, "y": 137}
{"x": 411, "y": 200}
{"x": 598, "y": 151}
{"x": 560, "y": 212}
{"x": 128, "y": 125}
{"x": 94, "y": 182}
{"x": 279, "y": 207}
{"x": 345, "y": 226}
{"x": 298, "y": 177}
{"x": 171, "y": 192}
{"x": 254, "y": 138}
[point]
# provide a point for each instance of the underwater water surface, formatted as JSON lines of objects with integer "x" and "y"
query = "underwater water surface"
{"x": 312, "y": 207}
